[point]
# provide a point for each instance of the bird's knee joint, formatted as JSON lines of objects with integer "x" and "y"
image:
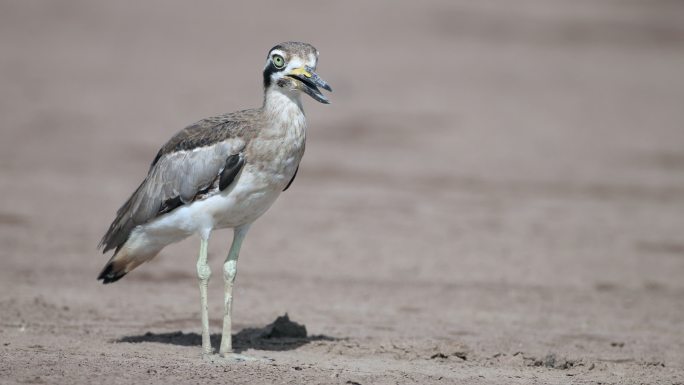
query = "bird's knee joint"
{"x": 229, "y": 270}
{"x": 203, "y": 272}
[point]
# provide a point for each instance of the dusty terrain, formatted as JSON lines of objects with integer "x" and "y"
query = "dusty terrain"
{"x": 496, "y": 194}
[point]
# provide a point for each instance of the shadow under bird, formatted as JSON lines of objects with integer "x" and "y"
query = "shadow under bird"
{"x": 221, "y": 172}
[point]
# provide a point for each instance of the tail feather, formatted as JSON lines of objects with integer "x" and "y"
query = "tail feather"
{"x": 121, "y": 263}
{"x": 110, "y": 273}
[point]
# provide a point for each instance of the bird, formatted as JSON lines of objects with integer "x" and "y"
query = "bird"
{"x": 220, "y": 172}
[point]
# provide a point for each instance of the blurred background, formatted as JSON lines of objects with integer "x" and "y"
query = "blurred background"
{"x": 507, "y": 175}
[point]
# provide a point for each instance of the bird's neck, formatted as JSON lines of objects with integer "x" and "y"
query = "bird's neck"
{"x": 278, "y": 101}
{"x": 283, "y": 111}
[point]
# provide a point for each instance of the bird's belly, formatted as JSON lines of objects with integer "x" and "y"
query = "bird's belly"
{"x": 247, "y": 201}
{"x": 236, "y": 206}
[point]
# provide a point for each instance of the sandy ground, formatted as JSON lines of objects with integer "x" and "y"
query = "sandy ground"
{"x": 496, "y": 194}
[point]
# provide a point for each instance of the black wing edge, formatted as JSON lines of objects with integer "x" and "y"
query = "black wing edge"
{"x": 291, "y": 180}
{"x": 234, "y": 164}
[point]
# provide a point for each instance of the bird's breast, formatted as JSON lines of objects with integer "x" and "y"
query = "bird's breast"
{"x": 275, "y": 154}
{"x": 271, "y": 162}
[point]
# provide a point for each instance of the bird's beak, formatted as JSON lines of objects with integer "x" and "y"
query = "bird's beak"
{"x": 310, "y": 83}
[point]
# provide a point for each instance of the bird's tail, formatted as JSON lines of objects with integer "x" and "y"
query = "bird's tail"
{"x": 122, "y": 262}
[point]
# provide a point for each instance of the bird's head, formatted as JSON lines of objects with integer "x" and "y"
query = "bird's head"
{"x": 290, "y": 68}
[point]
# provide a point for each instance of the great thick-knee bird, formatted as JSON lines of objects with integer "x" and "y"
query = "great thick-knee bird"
{"x": 221, "y": 172}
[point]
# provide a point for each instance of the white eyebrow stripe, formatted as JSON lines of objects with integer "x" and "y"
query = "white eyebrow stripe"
{"x": 276, "y": 52}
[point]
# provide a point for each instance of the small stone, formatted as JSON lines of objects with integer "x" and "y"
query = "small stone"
{"x": 550, "y": 360}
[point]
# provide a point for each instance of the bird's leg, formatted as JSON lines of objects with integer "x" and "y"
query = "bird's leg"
{"x": 229, "y": 272}
{"x": 203, "y": 274}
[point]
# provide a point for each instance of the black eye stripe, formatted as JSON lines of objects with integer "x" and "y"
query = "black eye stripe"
{"x": 270, "y": 70}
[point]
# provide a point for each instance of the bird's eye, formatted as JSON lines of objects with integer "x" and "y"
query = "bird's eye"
{"x": 278, "y": 61}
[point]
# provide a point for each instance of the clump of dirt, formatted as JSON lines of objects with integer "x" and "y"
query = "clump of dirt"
{"x": 282, "y": 327}
{"x": 281, "y": 334}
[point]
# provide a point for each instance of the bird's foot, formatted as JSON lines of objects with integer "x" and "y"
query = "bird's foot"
{"x": 232, "y": 358}
{"x": 208, "y": 356}
{"x": 236, "y": 357}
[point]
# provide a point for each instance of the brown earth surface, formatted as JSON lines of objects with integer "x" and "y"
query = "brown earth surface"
{"x": 495, "y": 194}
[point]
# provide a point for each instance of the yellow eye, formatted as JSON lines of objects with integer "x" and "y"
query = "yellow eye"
{"x": 278, "y": 61}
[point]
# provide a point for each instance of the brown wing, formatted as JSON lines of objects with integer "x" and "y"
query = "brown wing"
{"x": 188, "y": 165}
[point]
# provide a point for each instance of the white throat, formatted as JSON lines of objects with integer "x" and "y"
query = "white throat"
{"x": 279, "y": 101}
